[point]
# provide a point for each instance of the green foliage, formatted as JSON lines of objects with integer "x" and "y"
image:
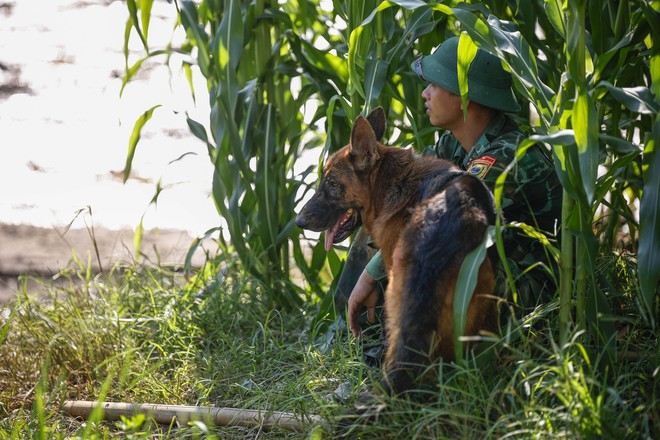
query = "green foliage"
{"x": 649, "y": 229}
{"x": 584, "y": 100}
{"x": 263, "y": 62}
{"x": 148, "y": 335}
{"x": 465, "y": 285}
{"x": 588, "y": 69}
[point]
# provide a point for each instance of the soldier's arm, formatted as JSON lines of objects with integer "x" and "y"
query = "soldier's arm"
{"x": 364, "y": 294}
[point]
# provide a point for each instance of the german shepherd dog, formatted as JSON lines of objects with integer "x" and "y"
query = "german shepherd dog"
{"x": 425, "y": 215}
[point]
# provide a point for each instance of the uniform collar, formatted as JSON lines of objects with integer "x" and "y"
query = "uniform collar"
{"x": 484, "y": 141}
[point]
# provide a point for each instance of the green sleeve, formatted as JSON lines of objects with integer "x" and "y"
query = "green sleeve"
{"x": 376, "y": 267}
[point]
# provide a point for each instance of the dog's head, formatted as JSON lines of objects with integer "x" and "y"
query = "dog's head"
{"x": 337, "y": 205}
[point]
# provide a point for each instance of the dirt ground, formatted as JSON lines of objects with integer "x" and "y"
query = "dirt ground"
{"x": 42, "y": 252}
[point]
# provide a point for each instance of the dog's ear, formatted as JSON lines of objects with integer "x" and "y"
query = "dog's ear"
{"x": 364, "y": 145}
{"x": 377, "y": 121}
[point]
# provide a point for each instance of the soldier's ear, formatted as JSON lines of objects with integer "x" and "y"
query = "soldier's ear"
{"x": 364, "y": 145}
{"x": 378, "y": 123}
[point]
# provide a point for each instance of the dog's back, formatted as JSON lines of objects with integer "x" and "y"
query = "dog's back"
{"x": 446, "y": 225}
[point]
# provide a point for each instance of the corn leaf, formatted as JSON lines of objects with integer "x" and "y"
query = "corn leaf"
{"x": 465, "y": 285}
{"x": 586, "y": 138}
{"x": 555, "y": 15}
{"x": 135, "y": 138}
{"x": 467, "y": 50}
{"x": 133, "y": 11}
{"x": 145, "y": 16}
{"x": 374, "y": 82}
{"x": 649, "y": 221}
{"x": 231, "y": 36}
{"x": 636, "y": 99}
{"x": 196, "y": 34}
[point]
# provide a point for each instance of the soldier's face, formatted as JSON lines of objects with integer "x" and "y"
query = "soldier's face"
{"x": 443, "y": 108}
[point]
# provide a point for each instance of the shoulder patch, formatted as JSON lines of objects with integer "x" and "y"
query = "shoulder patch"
{"x": 481, "y": 166}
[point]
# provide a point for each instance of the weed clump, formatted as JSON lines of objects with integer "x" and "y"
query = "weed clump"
{"x": 150, "y": 335}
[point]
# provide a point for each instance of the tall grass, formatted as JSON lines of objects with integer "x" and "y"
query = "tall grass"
{"x": 147, "y": 335}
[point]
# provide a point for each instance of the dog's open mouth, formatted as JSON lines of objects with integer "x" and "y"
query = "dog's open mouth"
{"x": 347, "y": 223}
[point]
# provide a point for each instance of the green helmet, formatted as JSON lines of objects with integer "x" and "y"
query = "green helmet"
{"x": 488, "y": 83}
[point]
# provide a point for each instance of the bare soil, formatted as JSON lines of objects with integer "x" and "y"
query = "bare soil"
{"x": 43, "y": 252}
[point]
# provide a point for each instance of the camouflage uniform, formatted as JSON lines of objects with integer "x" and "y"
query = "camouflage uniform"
{"x": 532, "y": 195}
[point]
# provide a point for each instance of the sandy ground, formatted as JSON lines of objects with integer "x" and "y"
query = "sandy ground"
{"x": 42, "y": 252}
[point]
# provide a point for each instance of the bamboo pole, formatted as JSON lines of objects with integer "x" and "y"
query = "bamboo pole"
{"x": 166, "y": 414}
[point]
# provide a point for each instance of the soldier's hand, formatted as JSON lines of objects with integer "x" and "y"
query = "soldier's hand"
{"x": 364, "y": 294}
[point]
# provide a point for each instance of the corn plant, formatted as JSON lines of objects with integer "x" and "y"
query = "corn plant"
{"x": 263, "y": 61}
{"x": 600, "y": 113}
{"x": 595, "y": 109}
{"x": 588, "y": 68}
{"x": 254, "y": 134}
{"x": 590, "y": 89}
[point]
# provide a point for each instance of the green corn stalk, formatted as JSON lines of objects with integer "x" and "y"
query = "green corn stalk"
{"x": 590, "y": 86}
{"x": 254, "y": 133}
{"x": 586, "y": 142}
{"x": 579, "y": 95}
{"x": 577, "y": 106}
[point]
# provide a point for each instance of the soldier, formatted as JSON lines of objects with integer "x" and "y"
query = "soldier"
{"x": 483, "y": 142}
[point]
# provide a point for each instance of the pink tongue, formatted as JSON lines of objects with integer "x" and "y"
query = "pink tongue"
{"x": 330, "y": 236}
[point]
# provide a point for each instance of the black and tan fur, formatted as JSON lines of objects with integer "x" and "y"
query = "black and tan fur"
{"x": 425, "y": 215}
